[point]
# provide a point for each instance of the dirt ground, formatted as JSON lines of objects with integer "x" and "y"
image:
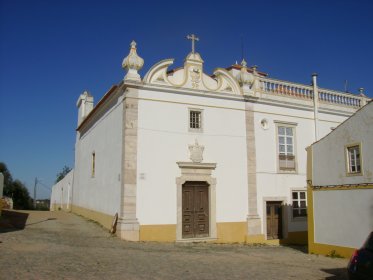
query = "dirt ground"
{"x": 59, "y": 245}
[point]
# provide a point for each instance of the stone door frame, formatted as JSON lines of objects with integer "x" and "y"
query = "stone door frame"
{"x": 283, "y": 200}
{"x": 271, "y": 216}
{"x": 196, "y": 172}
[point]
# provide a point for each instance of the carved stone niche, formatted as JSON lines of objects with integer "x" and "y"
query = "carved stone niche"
{"x": 194, "y": 171}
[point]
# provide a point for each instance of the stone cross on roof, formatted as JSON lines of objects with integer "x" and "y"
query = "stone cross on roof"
{"x": 193, "y": 38}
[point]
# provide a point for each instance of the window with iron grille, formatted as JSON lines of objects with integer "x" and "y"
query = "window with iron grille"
{"x": 286, "y": 154}
{"x": 299, "y": 204}
{"x": 354, "y": 159}
{"x": 195, "y": 120}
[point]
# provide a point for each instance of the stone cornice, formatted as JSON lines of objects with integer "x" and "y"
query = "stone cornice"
{"x": 186, "y": 91}
{"x": 260, "y": 98}
{"x": 195, "y": 165}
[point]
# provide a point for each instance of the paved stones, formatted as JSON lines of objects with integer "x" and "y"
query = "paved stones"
{"x": 58, "y": 245}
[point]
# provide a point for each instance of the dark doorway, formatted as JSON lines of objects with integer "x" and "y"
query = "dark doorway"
{"x": 274, "y": 219}
{"x": 195, "y": 207}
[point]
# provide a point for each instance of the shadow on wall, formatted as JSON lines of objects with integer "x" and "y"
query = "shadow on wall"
{"x": 295, "y": 240}
{"x": 336, "y": 273}
{"x": 12, "y": 220}
{"x": 371, "y": 214}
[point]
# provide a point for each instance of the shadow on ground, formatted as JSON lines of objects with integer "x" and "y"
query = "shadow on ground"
{"x": 300, "y": 248}
{"x": 12, "y": 220}
{"x": 336, "y": 274}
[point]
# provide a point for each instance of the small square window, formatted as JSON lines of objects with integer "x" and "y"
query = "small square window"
{"x": 195, "y": 120}
{"x": 353, "y": 159}
{"x": 299, "y": 204}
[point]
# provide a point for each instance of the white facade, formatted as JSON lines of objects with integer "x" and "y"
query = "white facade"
{"x": 163, "y": 141}
{"x": 341, "y": 186}
{"x": 133, "y": 149}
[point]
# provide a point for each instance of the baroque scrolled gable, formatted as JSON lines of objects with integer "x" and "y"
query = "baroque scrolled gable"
{"x": 236, "y": 80}
{"x": 191, "y": 76}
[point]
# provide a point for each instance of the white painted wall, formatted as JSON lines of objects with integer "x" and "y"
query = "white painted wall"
{"x": 103, "y": 136}
{"x": 327, "y": 122}
{"x": 163, "y": 140}
{"x": 343, "y": 217}
{"x": 329, "y": 154}
{"x": 272, "y": 184}
{"x": 61, "y": 196}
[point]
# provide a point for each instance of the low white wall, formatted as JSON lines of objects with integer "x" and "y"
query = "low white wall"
{"x": 343, "y": 217}
{"x": 62, "y": 193}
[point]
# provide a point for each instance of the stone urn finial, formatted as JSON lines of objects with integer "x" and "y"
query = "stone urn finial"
{"x": 243, "y": 63}
{"x": 245, "y": 79}
{"x": 132, "y": 63}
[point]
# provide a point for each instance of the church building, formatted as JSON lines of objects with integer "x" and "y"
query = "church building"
{"x": 181, "y": 155}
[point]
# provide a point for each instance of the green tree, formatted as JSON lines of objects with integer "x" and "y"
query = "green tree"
{"x": 16, "y": 190}
{"x": 63, "y": 173}
{"x": 20, "y": 195}
{"x": 7, "y": 176}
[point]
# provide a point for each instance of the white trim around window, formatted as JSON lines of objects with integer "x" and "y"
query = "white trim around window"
{"x": 354, "y": 159}
{"x": 298, "y": 204}
{"x": 286, "y": 149}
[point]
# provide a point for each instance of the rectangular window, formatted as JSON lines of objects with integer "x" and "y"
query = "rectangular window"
{"x": 299, "y": 204}
{"x": 93, "y": 164}
{"x": 286, "y": 153}
{"x": 354, "y": 159}
{"x": 195, "y": 120}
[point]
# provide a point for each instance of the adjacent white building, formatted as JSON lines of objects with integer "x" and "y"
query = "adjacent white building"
{"x": 61, "y": 196}
{"x": 182, "y": 155}
{"x": 340, "y": 177}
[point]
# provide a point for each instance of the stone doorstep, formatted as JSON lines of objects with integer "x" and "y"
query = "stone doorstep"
{"x": 199, "y": 240}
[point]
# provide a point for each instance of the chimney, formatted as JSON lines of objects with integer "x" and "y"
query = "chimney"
{"x": 85, "y": 106}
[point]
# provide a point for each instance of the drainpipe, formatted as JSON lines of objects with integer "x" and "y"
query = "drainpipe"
{"x": 315, "y": 104}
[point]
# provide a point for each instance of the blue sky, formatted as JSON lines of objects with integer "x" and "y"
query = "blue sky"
{"x": 51, "y": 51}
